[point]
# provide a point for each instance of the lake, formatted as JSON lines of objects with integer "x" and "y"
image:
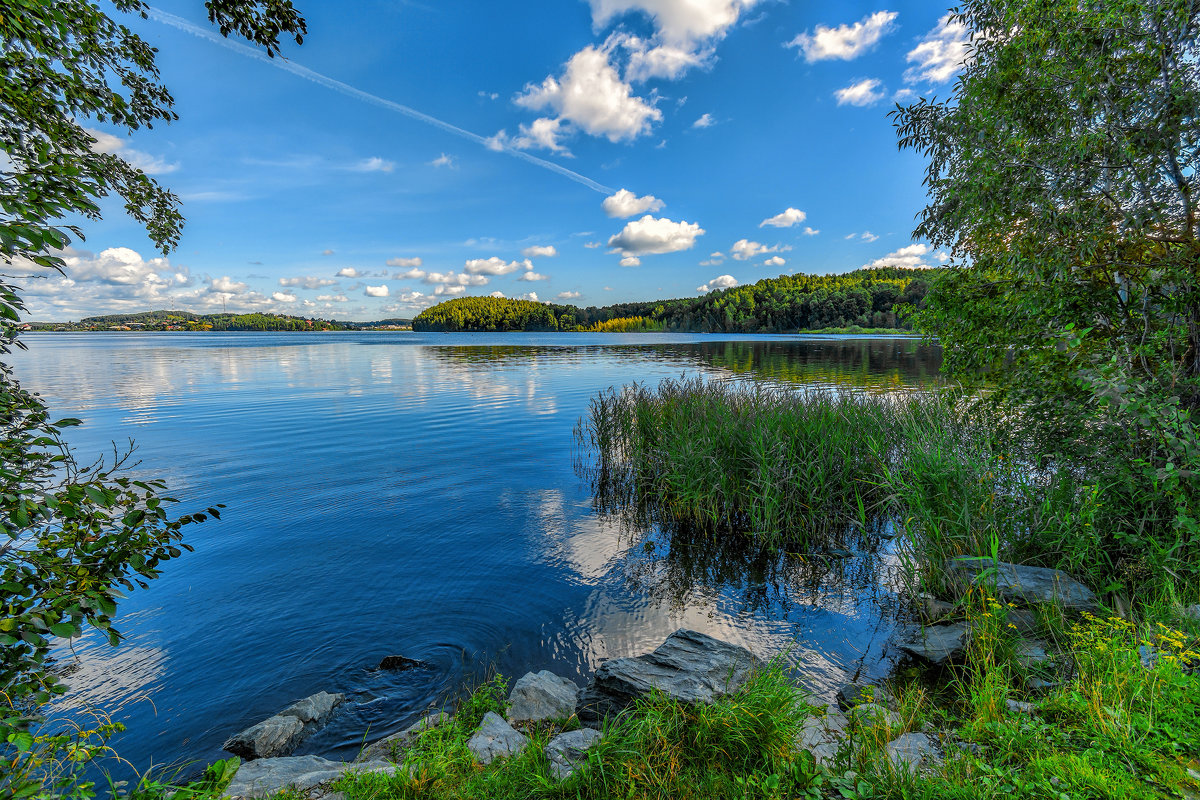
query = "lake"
{"x": 416, "y": 494}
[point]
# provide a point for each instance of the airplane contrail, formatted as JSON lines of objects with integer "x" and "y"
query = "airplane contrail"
{"x": 358, "y": 94}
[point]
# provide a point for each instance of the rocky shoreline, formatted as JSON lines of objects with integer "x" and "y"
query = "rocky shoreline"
{"x": 688, "y": 667}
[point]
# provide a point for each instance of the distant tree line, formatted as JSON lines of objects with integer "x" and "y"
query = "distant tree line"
{"x": 867, "y": 298}
{"x": 185, "y": 320}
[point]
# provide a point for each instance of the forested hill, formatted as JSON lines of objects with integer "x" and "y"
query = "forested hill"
{"x": 185, "y": 320}
{"x": 868, "y": 298}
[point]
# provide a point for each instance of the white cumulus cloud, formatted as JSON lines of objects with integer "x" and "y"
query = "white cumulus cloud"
{"x": 349, "y": 272}
{"x": 591, "y": 96}
{"x": 307, "y": 282}
{"x": 785, "y": 219}
{"x": 655, "y": 235}
{"x": 453, "y": 278}
{"x": 744, "y": 249}
{"x": 404, "y": 262}
{"x": 495, "y": 266}
{"x": 679, "y": 23}
{"x": 283, "y": 297}
{"x": 912, "y": 256}
{"x": 719, "y": 282}
{"x": 631, "y": 261}
{"x": 864, "y": 93}
{"x": 568, "y": 295}
{"x": 376, "y": 291}
{"x": 775, "y": 261}
{"x": 540, "y": 251}
{"x": 445, "y": 289}
{"x": 940, "y": 54}
{"x": 845, "y": 41}
{"x": 333, "y": 298}
{"x": 624, "y": 203}
{"x": 533, "y": 276}
{"x": 704, "y": 121}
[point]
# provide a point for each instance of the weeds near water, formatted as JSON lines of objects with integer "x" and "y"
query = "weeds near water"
{"x": 718, "y": 458}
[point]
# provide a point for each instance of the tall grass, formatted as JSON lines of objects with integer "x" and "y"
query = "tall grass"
{"x": 809, "y": 469}
{"x": 779, "y": 466}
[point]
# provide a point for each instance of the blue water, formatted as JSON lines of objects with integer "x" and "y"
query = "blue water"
{"x": 414, "y": 494}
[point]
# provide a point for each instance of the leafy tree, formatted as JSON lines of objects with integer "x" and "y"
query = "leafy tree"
{"x": 73, "y": 537}
{"x": 1062, "y": 172}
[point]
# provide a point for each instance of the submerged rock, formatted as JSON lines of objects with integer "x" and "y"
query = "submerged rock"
{"x": 568, "y": 751}
{"x": 1025, "y": 585}
{"x": 401, "y": 663}
{"x": 280, "y": 734}
{"x": 496, "y": 739}
{"x": 267, "y": 776}
{"x": 936, "y": 644}
{"x": 391, "y": 748}
{"x": 539, "y": 696}
{"x": 689, "y": 667}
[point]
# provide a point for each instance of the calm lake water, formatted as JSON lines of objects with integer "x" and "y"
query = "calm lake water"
{"x": 415, "y": 494}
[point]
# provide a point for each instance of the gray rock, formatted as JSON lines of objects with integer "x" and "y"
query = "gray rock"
{"x": 275, "y": 736}
{"x": 1192, "y": 612}
{"x": 1024, "y": 620}
{"x": 279, "y": 735}
{"x": 1036, "y": 684}
{"x": 1020, "y": 707}
{"x": 568, "y": 751}
{"x": 1148, "y": 656}
{"x": 936, "y": 644}
{"x": 1032, "y": 654}
{"x": 539, "y": 696}
{"x": 496, "y": 739}
{"x": 689, "y": 667}
{"x": 1025, "y": 585}
{"x": 823, "y": 736}
{"x": 391, "y": 748}
{"x": 912, "y": 751}
{"x": 932, "y": 609}
{"x": 856, "y": 694}
{"x": 267, "y": 776}
{"x": 315, "y": 709}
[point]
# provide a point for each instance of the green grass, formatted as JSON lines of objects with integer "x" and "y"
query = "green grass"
{"x": 781, "y": 467}
{"x": 1111, "y": 731}
{"x": 661, "y": 749}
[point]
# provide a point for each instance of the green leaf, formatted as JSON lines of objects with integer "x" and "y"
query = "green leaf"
{"x": 64, "y": 630}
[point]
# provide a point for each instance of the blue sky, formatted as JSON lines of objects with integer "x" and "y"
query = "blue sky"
{"x": 583, "y": 151}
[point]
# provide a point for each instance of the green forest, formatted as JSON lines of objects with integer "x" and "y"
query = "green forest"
{"x": 187, "y": 321}
{"x": 867, "y": 298}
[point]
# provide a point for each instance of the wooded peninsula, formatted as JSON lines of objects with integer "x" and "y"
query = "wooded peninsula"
{"x": 869, "y": 299}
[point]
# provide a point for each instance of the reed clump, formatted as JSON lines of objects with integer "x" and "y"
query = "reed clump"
{"x": 779, "y": 466}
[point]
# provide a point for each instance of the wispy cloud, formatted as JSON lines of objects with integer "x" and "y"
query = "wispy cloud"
{"x": 287, "y": 65}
